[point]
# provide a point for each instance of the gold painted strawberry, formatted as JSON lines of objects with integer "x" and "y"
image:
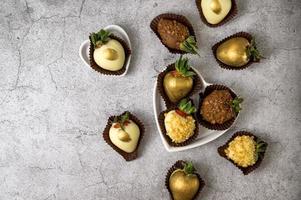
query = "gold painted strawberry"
{"x": 179, "y": 82}
{"x": 184, "y": 183}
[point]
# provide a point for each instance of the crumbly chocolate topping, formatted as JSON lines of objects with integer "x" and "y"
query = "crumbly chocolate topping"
{"x": 172, "y": 32}
{"x": 216, "y": 107}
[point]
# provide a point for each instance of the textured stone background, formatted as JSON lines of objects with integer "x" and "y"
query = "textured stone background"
{"x": 53, "y": 108}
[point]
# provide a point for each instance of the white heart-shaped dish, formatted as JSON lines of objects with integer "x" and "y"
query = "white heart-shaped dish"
{"x": 205, "y": 135}
{"x": 116, "y": 30}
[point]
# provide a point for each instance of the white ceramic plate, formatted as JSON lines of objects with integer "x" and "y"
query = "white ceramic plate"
{"x": 205, "y": 135}
{"x": 116, "y": 30}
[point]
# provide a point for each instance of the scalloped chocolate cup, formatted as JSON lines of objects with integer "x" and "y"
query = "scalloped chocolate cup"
{"x": 197, "y": 85}
{"x": 161, "y": 118}
{"x": 179, "y": 18}
{"x": 248, "y": 36}
{"x": 232, "y": 13}
{"x": 127, "y": 156}
{"x": 180, "y": 165}
{"x": 245, "y": 170}
{"x": 208, "y": 90}
{"x": 101, "y": 70}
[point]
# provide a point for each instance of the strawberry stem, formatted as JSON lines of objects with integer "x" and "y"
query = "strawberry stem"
{"x": 261, "y": 147}
{"x": 186, "y": 106}
{"x": 100, "y": 38}
{"x": 190, "y": 45}
{"x": 183, "y": 67}
{"x": 252, "y": 51}
{"x": 189, "y": 168}
{"x": 122, "y": 120}
{"x": 235, "y": 104}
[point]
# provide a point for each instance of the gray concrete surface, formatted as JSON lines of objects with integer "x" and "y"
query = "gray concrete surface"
{"x": 53, "y": 108}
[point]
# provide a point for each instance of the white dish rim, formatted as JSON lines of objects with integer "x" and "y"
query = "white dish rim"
{"x": 198, "y": 141}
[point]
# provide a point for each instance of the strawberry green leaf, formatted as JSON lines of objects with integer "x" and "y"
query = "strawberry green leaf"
{"x": 100, "y": 38}
{"x": 183, "y": 67}
{"x": 189, "y": 168}
{"x": 235, "y": 104}
{"x": 189, "y": 45}
{"x": 252, "y": 51}
{"x": 186, "y": 106}
{"x": 122, "y": 119}
{"x": 261, "y": 147}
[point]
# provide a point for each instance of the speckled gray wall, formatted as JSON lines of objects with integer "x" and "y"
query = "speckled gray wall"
{"x": 53, "y": 108}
